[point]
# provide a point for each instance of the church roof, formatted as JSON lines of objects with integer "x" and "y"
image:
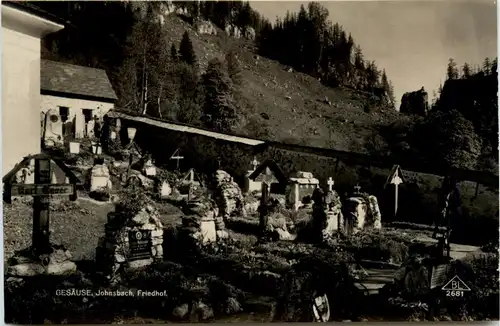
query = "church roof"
{"x": 63, "y": 78}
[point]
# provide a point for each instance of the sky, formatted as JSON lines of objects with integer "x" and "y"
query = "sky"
{"x": 412, "y": 40}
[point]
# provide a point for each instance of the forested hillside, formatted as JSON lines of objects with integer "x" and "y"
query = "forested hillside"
{"x": 203, "y": 63}
{"x": 302, "y": 79}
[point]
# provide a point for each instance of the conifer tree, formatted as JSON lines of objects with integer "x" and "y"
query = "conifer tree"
{"x": 186, "y": 50}
{"x": 233, "y": 68}
{"x": 220, "y": 111}
{"x": 466, "y": 73}
{"x": 452, "y": 70}
{"x": 173, "y": 52}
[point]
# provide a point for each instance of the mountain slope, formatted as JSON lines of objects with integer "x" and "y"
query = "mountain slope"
{"x": 280, "y": 104}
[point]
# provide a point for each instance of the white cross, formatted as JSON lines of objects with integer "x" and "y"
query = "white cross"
{"x": 255, "y": 163}
{"x": 330, "y": 183}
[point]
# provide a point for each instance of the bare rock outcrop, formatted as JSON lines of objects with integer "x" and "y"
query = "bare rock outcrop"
{"x": 415, "y": 103}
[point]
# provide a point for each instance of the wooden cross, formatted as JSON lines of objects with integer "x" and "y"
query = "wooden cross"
{"x": 178, "y": 157}
{"x": 41, "y": 190}
{"x": 255, "y": 163}
{"x": 330, "y": 183}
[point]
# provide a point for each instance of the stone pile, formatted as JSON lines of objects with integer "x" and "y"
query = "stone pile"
{"x": 201, "y": 220}
{"x": 362, "y": 211}
{"x": 25, "y": 264}
{"x": 278, "y": 227}
{"x": 228, "y": 195}
{"x": 130, "y": 242}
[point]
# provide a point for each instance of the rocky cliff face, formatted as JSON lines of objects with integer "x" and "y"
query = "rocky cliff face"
{"x": 415, "y": 103}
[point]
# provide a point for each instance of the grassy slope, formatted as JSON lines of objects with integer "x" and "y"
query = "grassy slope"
{"x": 293, "y": 101}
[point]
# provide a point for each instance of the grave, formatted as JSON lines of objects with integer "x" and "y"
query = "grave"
{"x": 201, "y": 220}
{"x": 267, "y": 173}
{"x": 360, "y": 211}
{"x": 228, "y": 195}
{"x": 41, "y": 257}
{"x": 100, "y": 182}
{"x": 130, "y": 241}
{"x": 251, "y": 185}
{"x": 299, "y": 187}
{"x": 53, "y": 132}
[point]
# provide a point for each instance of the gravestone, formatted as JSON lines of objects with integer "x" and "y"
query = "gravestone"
{"x": 80, "y": 127}
{"x": 360, "y": 211}
{"x": 165, "y": 189}
{"x": 149, "y": 169}
{"x": 53, "y": 134}
{"x": 201, "y": 220}
{"x": 300, "y": 186}
{"x": 251, "y": 185}
{"x": 130, "y": 241}
{"x": 100, "y": 182}
{"x": 228, "y": 195}
{"x": 90, "y": 128}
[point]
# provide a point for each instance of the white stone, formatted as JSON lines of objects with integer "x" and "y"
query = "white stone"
{"x": 120, "y": 258}
{"x": 113, "y": 135}
{"x": 90, "y": 128}
{"x": 139, "y": 263}
{"x": 28, "y": 269}
{"x": 159, "y": 250}
{"x": 64, "y": 268}
{"x": 157, "y": 233}
{"x": 149, "y": 169}
{"x": 53, "y": 134}
{"x": 100, "y": 179}
{"x": 153, "y": 251}
{"x": 304, "y": 175}
{"x": 141, "y": 218}
{"x": 250, "y": 185}
{"x": 156, "y": 241}
{"x": 166, "y": 190}
{"x": 148, "y": 226}
{"x": 222, "y": 234}
{"x": 208, "y": 231}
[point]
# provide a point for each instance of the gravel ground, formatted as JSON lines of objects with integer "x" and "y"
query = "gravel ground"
{"x": 77, "y": 225}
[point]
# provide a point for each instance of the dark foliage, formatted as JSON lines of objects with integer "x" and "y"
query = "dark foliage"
{"x": 311, "y": 44}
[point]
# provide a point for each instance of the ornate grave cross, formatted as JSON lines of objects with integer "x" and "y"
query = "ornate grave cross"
{"x": 330, "y": 183}
{"x": 176, "y": 157}
{"x": 255, "y": 163}
{"x": 41, "y": 190}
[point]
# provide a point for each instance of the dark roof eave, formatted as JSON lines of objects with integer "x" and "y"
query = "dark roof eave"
{"x": 78, "y": 96}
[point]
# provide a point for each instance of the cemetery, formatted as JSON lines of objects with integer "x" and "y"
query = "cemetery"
{"x": 275, "y": 247}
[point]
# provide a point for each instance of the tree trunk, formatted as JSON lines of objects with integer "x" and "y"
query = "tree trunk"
{"x": 159, "y": 102}
{"x": 145, "y": 97}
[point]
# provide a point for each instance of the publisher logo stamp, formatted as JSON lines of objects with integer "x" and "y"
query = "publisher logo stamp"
{"x": 455, "y": 287}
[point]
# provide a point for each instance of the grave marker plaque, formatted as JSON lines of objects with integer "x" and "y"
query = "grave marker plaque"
{"x": 140, "y": 245}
